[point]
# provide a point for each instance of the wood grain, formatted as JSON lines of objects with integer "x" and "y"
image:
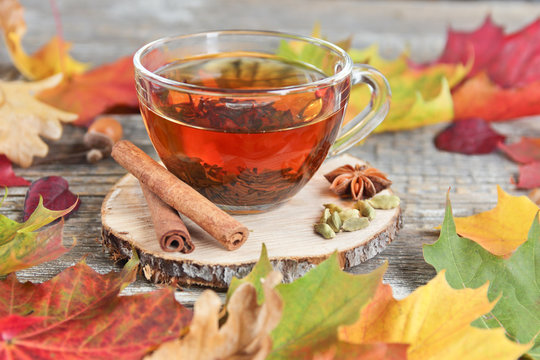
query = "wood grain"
{"x": 287, "y": 232}
{"x": 103, "y": 31}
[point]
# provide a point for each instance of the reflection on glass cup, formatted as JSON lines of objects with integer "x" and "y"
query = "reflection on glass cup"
{"x": 247, "y": 117}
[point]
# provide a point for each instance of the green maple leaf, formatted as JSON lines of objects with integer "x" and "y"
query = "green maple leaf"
{"x": 262, "y": 268}
{"x": 21, "y": 247}
{"x": 317, "y": 304}
{"x": 515, "y": 281}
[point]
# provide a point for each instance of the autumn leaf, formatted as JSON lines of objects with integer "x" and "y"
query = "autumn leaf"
{"x": 96, "y": 91}
{"x": 525, "y": 151}
{"x": 529, "y": 176}
{"x": 23, "y": 119}
{"x": 21, "y": 247}
{"x": 51, "y": 59}
{"x": 471, "y": 136}
{"x": 435, "y": 320}
{"x": 422, "y": 112}
{"x": 12, "y": 17}
{"x": 402, "y": 65}
{"x": 420, "y": 97}
{"x": 371, "y": 55}
{"x": 262, "y": 268}
{"x": 513, "y": 281}
{"x": 502, "y": 229}
{"x": 54, "y": 192}
{"x": 517, "y": 61}
{"x": 480, "y": 97}
{"x": 307, "y": 53}
{"x": 7, "y": 176}
{"x": 407, "y": 112}
{"x": 327, "y": 348}
{"x": 244, "y": 335}
{"x": 375, "y": 351}
{"x": 11, "y": 325}
{"x": 481, "y": 45}
{"x": 316, "y": 304}
{"x": 85, "y": 317}
{"x": 504, "y": 81}
{"x": 509, "y": 60}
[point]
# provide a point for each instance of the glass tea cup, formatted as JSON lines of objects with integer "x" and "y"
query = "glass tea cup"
{"x": 247, "y": 117}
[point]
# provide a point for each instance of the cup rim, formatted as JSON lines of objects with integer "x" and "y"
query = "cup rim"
{"x": 324, "y": 82}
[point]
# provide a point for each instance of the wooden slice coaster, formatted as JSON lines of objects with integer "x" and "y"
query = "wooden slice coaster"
{"x": 293, "y": 246}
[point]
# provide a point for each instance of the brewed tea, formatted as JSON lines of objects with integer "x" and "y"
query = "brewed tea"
{"x": 256, "y": 150}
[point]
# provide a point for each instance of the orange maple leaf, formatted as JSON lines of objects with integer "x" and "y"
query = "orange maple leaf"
{"x": 95, "y": 91}
{"x": 502, "y": 229}
{"x": 481, "y": 97}
{"x": 435, "y": 320}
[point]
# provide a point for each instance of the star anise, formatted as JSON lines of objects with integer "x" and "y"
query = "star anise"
{"x": 360, "y": 181}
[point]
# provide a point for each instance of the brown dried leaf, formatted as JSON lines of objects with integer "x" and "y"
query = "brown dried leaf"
{"x": 23, "y": 119}
{"x": 245, "y": 334}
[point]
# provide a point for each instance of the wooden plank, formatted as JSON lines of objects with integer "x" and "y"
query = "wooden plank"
{"x": 286, "y": 231}
{"x": 421, "y": 174}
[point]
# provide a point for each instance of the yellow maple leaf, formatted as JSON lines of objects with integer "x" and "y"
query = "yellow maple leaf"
{"x": 23, "y": 119}
{"x": 417, "y": 111}
{"x": 370, "y": 55}
{"x": 502, "y": 229}
{"x": 420, "y": 97}
{"x": 435, "y": 320}
{"x": 51, "y": 59}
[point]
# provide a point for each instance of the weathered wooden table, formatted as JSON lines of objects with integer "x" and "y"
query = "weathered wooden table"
{"x": 104, "y": 30}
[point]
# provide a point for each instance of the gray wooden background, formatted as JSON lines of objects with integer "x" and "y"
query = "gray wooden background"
{"x": 103, "y": 30}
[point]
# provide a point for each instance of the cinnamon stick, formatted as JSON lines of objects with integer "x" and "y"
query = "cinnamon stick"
{"x": 171, "y": 232}
{"x": 177, "y": 194}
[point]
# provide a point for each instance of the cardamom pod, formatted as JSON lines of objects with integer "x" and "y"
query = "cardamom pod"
{"x": 325, "y": 230}
{"x": 334, "y": 221}
{"x": 333, "y": 207}
{"x": 365, "y": 209}
{"x": 384, "y": 202}
{"x": 325, "y": 215}
{"x": 354, "y": 224}
{"x": 349, "y": 213}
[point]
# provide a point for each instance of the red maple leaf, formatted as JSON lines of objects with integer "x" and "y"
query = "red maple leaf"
{"x": 11, "y": 325}
{"x": 94, "y": 92}
{"x": 55, "y": 193}
{"x": 529, "y": 176}
{"x": 525, "y": 151}
{"x": 509, "y": 60}
{"x": 85, "y": 317}
{"x": 504, "y": 81}
{"x": 517, "y": 63}
{"x": 471, "y": 136}
{"x": 481, "y": 46}
{"x": 7, "y": 176}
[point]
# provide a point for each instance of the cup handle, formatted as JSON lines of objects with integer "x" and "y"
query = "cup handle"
{"x": 372, "y": 115}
